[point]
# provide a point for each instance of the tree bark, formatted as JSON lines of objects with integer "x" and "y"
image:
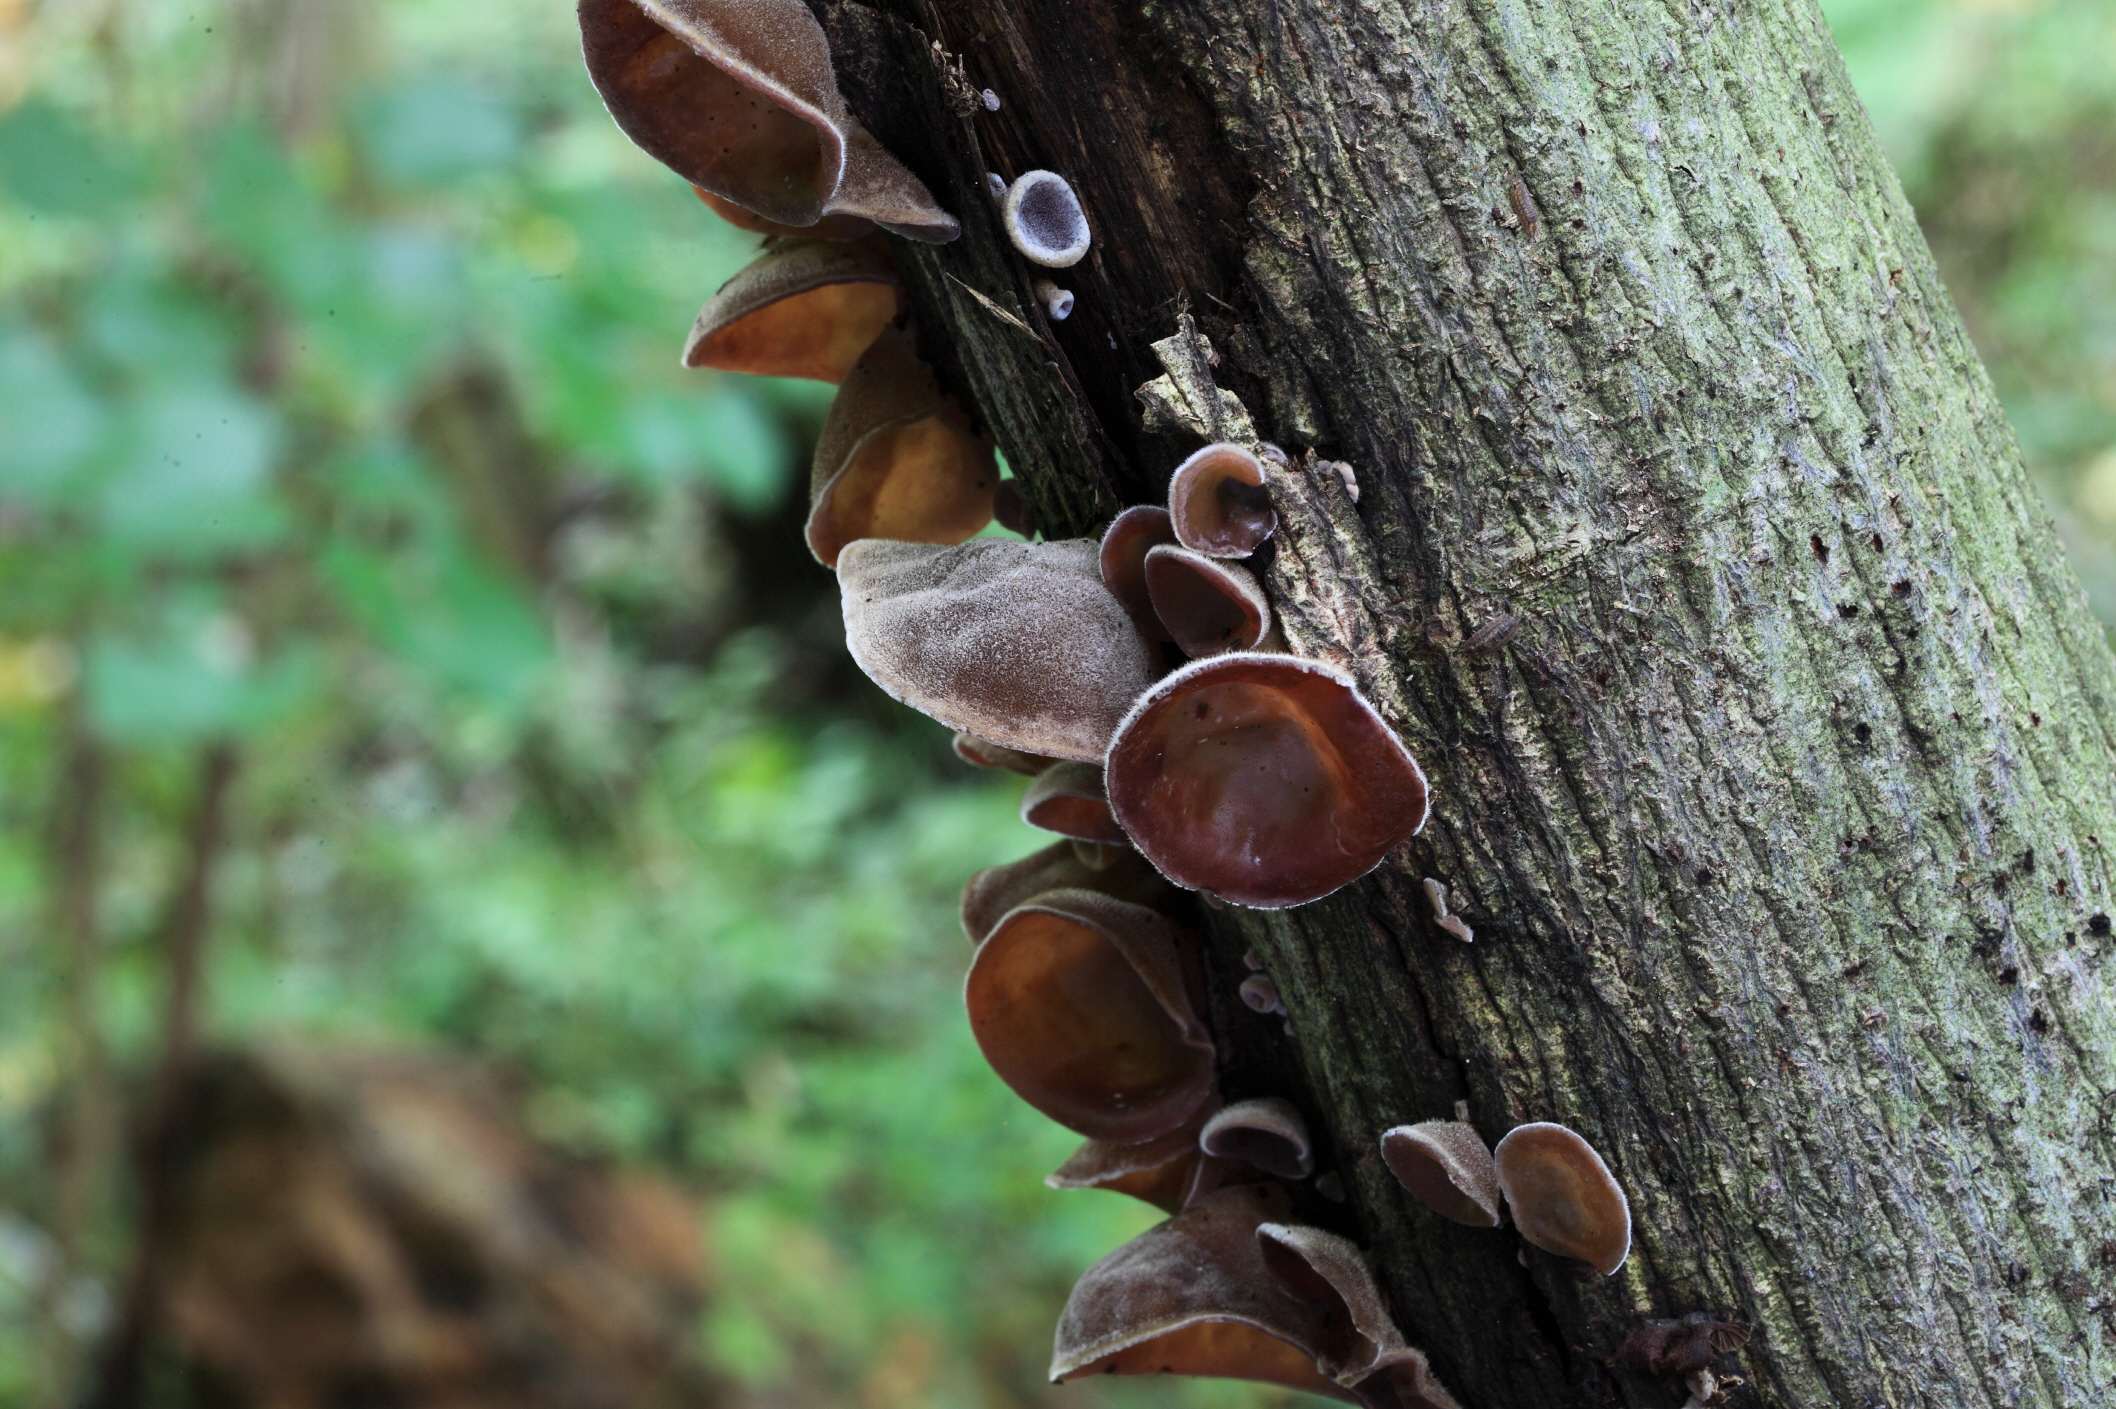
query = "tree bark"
{"x": 1779, "y": 817}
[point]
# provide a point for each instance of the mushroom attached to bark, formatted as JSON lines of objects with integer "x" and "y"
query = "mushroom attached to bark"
{"x": 1130, "y": 536}
{"x": 803, "y": 308}
{"x": 1191, "y": 1296}
{"x": 1563, "y": 1198}
{"x": 830, "y": 227}
{"x": 1057, "y": 303}
{"x": 1454, "y": 924}
{"x": 1067, "y": 798}
{"x": 1264, "y": 779}
{"x": 1362, "y": 1348}
{"x": 1043, "y": 218}
{"x": 1123, "y": 875}
{"x": 1266, "y": 1132}
{"x": 1167, "y": 1171}
{"x": 738, "y": 98}
{"x": 1019, "y": 643}
{"x": 896, "y": 458}
{"x": 1208, "y": 606}
{"x": 1219, "y": 504}
{"x": 985, "y": 754}
{"x": 1079, "y": 1003}
{"x": 1446, "y": 1165}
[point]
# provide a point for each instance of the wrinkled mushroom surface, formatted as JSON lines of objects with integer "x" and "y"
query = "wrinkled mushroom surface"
{"x": 804, "y": 308}
{"x": 1192, "y": 1297}
{"x": 1563, "y": 1197}
{"x": 1124, "y": 875}
{"x": 1044, "y": 220}
{"x": 1125, "y": 544}
{"x": 1019, "y": 643}
{"x": 1210, "y": 607}
{"x": 1067, "y": 798}
{"x": 1078, "y": 1002}
{"x": 1218, "y": 503}
{"x": 738, "y": 98}
{"x": 896, "y": 458}
{"x": 1266, "y": 1132}
{"x": 1446, "y": 1165}
{"x": 1264, "y": 779}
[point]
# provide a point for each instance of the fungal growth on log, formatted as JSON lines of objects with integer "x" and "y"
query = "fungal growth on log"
{"x": 983, "y": 753}
{"x": 803, "y": 308}
{"x": 1208, "y": 606}
{"x": 1266, "y": 1132}
{"x": 1562, "y": 1197}
{"x": 1130, "y": 536}
{"x": 1067, "y": 798}
{"x": 1447, "y": 1167}
{"x": 1168, "y": 1171}
{"x": 1043, "y": 218}
{"x": 1219, "y": 504}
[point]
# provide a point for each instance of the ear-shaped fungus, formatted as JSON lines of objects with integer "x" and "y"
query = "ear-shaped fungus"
{"x": 1446, "y": 1165}
{"x": 1564, "y": 1199}
{"x": 803, "y": 308}
{"x": 1078, "y": 1002}
{"x": 1043, "y": 218}
{"x": 1219, "y": 504}
{"x": 985, "y": 754}
{"x": 896, "y": 458}
{"x": 1208, "y": 606}
{"x": 830, "y": 227}
{"x": 1192, "y": 1297}
{"x": 1167, "y": 1171}
{"x": 1067, "y": 798}
{"x": 997, "y": 889}
{"x": 1267, "y": 1133}
{"x": 1130, "y": 536}
{"x": 1264, "y": 779}
{"x": 1019, "y": 643}
{"x": 738, "y": 98}
{"x": 1362, "y": 1348}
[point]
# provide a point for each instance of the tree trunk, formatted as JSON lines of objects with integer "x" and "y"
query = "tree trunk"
{"x": 1778, "y": 818}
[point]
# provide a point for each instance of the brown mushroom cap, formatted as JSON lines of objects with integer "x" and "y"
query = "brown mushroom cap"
{"x": 1446, "y": 1165}
{"x": 1361, "y": 1347}
{"x": 1164, "y": 1171}
{"x": 1067, "y": 798}
{"x": 1019, "y": 643}
{"x": 1192, "y": 1297}
{"x": 1218, "y": 502}
{"x": 738, "y": 98}
{"x": 1264, "y": 779}
{"x": 986, "y": 754}
{"x": 1078, "y": 1002}
{"x": 1208, "y": 606}
{"x": 1563, "y": 1198}
{"x": 803, "y": 308}
{"x": 1125, "y": 543}
{"x": 1266, "y": 1132}
{"x": 830, "y": 227}
{"x": 896, "y": 459}
{"x": 997, "y": 889}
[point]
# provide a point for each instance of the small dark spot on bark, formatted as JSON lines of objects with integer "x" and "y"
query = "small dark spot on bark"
{"x": 2106, "y": 1255}
{"x": 1998, "y": 881}
{"x": 1583, "y": 132}
{"x": 2039, "y": 1021}
{"x": 2026, "y": 864}
{"x": 2016, "y": 1273}
{"x": 1901, "y": 587}
{"x": 2097, "y": 923}
{"x": 1704, "y": 875}
{"x": 2035, "y": 721}
{"x": 1863, "y": 732}
{"x": 1877, "y": 543}
{"x": 1818, "y": 547}
{"x": 1848, "y": 610}
{"x": 1960, "y": 1075}
{"x": 2009, "y": 975}
{"x": 1855, "y": 968}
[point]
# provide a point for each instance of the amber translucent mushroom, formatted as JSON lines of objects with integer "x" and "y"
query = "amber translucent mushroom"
{"x": 1019, "y": 643}
{"x": 1218, "y": 502}
{"x": 896, "y": 458}
{"x": 1361, "y": 1347}
{"x": 1067, "y": 798}
{"x": 1447, "y": 1166}
{"x": 738, "y": 98}
{"x": 1125, "y": 544}
{"x": 1264, "y": 779}
{"x": 1078, "y": 1002}
{"x": 1267, "y": 1133}
{"x": 1563, "y": 1198}
{"x": 1123, "y": 875}
{"x": 1192, "y": 1297}
{"x": 1209, "y": 607}
{"x": 803, "y": 308}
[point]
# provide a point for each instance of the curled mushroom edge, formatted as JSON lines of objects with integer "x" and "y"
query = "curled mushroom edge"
{"x": 1562, "y": 1196}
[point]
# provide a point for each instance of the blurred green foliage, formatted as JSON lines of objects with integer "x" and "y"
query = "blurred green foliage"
{"x": 342, "y": 419}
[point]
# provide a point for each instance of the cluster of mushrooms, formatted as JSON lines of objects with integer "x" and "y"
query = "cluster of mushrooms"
{"x": 1140, "y": 681}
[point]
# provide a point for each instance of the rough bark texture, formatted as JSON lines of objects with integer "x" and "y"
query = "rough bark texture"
{"x": 1779, "y": 817}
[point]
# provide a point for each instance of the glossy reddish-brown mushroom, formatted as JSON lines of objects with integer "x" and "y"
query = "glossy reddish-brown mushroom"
{"x": 896, "y": 458}
{"x": 1209, "y": 607}
{"x": 1447, "y": 1166}
{"x": 1079, "y": 1003}
{"x": 1266, "y": 1132}
{"x": 1192, "y": 1297}
{"x": 1218, "y": 502}
{"x": 1125, "y": 544}
{"x": 1123, "y": 875}
{"x": 1563, "y": 1198}
{"x": 803, "y": 308}
{"x": 1067, "y": 798}
{"x": 1019, "y": 643}
{"x": 738, "y": 98}
{"x": 1361, "y": 1347}
{"x": 1264, "y": 779}
{"x": 986, "y": 754}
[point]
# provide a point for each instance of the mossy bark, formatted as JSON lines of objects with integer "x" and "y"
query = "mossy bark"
{"x": 1779, "y": 817}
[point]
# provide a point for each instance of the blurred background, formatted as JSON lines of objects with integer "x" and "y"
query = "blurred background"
{"x": 413, "y": 695}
